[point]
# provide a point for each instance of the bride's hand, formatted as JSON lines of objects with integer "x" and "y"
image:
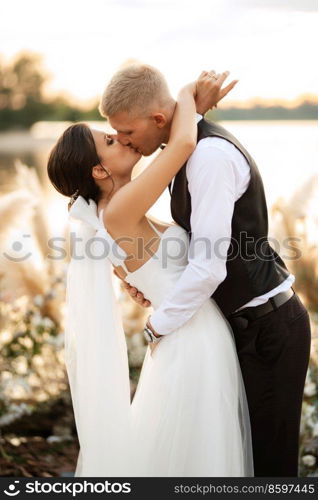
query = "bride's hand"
{"x": 209, "y": 90}
{"x": 135, "y": 294}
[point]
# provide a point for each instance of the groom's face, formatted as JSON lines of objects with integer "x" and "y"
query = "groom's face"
{"x": 144, "y": 134}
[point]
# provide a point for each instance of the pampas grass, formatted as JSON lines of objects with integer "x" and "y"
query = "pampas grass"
{"x": 297, "y": 218}
{"x": 16, "y": 212}
{"x": 29, "y": 178}
{"x": 15, "y": 207}
{"x": 32, "y": 294}
{"x": 24, "y": 211}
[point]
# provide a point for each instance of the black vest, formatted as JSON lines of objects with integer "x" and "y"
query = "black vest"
{"x": 253, "y": 267}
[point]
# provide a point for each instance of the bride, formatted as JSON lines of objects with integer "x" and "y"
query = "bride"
{"x": 189, "y": 415}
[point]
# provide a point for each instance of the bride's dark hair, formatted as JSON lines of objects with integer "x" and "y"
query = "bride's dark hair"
{"x": 70, "y": 163}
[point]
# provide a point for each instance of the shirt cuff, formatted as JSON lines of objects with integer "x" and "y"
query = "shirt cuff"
{"x": 156, "y": 324}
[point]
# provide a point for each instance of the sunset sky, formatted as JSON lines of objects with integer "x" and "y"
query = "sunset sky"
{"x": 270, "y": 46}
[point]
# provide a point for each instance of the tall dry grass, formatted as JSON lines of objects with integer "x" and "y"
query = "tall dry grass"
{"x": 298, "y": 218}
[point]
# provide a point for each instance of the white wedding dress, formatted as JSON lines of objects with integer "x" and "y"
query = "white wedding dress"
{"x": 189, "y": 415}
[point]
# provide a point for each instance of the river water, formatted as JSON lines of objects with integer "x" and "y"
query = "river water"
{"x": 286, "y": 153}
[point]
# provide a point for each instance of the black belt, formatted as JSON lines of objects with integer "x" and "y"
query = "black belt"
{"x": 243, "y": 316}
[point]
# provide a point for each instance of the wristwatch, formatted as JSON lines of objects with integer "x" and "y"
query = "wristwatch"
{"x": 149, "y": 335}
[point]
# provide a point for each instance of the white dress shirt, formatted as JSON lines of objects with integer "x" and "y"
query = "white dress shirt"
{"x": 218, "y": 174}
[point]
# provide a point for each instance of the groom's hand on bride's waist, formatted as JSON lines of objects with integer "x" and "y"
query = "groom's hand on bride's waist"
{"x": 135, "y": 294}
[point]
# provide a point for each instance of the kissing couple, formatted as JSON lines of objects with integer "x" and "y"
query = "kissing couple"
{"x": 221, "y": 386}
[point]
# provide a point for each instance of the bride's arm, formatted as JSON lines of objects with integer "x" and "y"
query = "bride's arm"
{"x": 133, "y": 200}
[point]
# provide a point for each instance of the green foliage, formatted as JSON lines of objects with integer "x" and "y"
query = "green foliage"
{"x": 305, "y": 111}
{"x": 22, "y": 100}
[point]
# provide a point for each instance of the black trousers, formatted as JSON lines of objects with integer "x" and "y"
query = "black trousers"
{"x": 274, "y": 354}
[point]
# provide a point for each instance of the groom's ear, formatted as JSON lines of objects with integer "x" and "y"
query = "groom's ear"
{"x": 160, "y": 119}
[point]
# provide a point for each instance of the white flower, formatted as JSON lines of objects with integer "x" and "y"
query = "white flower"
{"x": 54, "y": 439}
{"x": 14, "y": 411}
{"x": 309, "y": 410}
{"x": 315, "y": 430}
{"x": 36, "y": 320}
{"x": 309, "y": 460}
{"x": 15, "y": 381}
{"x": 47, "y": 323}
{"x": 26, "y": 408}
{"x": 310, "y": 389}
{"x": 38, "y": 300}
{"x": 7, "y": 419}
{"x": 57, "y": 342}
{"x": 58, "y": 439}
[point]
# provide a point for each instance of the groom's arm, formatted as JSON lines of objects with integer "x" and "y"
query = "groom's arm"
{"x": 212, "y": 185}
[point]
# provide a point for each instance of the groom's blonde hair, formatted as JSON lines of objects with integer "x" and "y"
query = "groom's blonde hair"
{"x": 134, "y": 89}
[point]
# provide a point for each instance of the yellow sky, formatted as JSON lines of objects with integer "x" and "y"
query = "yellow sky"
{"x": 269, "y": 45}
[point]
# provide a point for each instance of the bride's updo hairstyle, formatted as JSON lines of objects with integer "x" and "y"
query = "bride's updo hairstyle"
{"x": 71, "y": 161}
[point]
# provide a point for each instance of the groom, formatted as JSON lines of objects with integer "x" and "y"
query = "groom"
{"x": 218, "y": 196}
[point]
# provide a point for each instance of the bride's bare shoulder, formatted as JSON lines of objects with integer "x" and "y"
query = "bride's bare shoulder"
{"x": 118, "y": 226}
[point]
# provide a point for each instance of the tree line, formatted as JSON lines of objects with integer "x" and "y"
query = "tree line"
{"x": 23, "y": 101}
{"x": 307, "y": 110}
{"x": 22, "y": 98}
